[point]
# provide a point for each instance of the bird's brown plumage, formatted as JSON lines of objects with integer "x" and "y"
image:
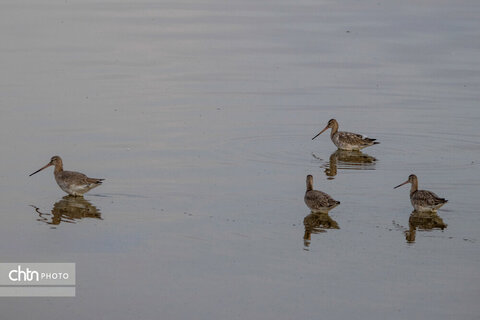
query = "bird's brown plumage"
{"x": 73, "y": 183}
{"x": 347, "y": 140}
{"x": 318, "y": 201}
{"x": 422, "y": 200}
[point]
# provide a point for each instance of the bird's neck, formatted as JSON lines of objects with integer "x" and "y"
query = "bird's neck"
{"x": 414, "y": 187}
{"x": 58, "y": 168}
{"x": 334, "y": 130}
{"x": 309, "y": 185}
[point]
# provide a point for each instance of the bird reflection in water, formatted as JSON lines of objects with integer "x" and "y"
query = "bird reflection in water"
{"x": 348, "y": 160}
{"x": 317, "y": 223}
{"x": 68, "y": 210}
{"x": 423, "y": 221}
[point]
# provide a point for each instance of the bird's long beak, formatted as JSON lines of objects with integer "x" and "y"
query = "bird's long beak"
{"x": 46, "y": 166}
{"x": 401, "y": 184}
{"x": 320, "y": 132}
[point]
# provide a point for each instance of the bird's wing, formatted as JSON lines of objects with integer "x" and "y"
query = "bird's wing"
{"x": 428, "y": 197}
{"x": 320, "y": 199}
{"x": 355, "y": 138}
{"x": 72, "y": 177}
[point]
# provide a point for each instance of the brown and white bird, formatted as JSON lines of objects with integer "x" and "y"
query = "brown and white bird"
{"x": 318, "y": 201}
{"x": 73, "y": 183}
{"x": 347, "y": 140}
{"x": 423, "y": 200}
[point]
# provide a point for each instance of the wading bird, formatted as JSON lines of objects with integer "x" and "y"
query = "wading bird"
{"x": 318, "y": 201}
{"x": 347, "y": 140}
{"x": 423, "y": 200}
{"x": 73, "y": 183}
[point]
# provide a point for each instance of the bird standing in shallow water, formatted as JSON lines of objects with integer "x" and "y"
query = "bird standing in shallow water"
{"x": 347, "y": 140}
{"x": 318, "y": 201}
{"x": 422, "y": 200}
{"x": 73, "y": 183}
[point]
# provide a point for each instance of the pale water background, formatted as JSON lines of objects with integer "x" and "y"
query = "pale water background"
{"x": 200, "y": 114}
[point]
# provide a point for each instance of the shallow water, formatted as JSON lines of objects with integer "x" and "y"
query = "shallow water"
{"x": 200, "y": 117}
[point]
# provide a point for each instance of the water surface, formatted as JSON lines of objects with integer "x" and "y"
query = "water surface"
{"x": 200, "y": 117}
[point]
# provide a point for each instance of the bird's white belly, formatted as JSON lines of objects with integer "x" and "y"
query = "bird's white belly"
{"x": 422, "y": 208}
{"x": 342, "y": 145}
{"x": 71, "y": 189}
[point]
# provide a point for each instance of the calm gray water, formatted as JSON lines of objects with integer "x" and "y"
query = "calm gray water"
{"x": 200, "y": 117}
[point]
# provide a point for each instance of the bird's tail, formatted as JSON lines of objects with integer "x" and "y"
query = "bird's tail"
{"x": 95, "y": 180}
